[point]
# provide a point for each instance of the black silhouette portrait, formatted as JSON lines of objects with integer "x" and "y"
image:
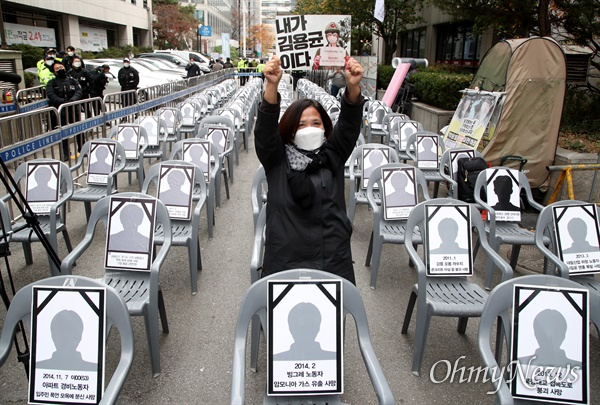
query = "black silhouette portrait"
{"x": 401, "y": 196}
{"x": 304, "y": 322}
{"x": 130, "y": 239}
{"x": 578, "y": 231}
{"x": 174, "y": 195}
{"x": 100, "y": 165}
{"x": 427, "y": 150}
{"x": 550, "y": 328}
{"x": 66, "y": 329}
{"x": 503, "y": 188}
{"x": 448, "y": 232}
{"x": 43, "y": 190}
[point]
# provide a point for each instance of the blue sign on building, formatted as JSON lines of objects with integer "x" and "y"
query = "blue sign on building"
{"x": 205, "y": 31}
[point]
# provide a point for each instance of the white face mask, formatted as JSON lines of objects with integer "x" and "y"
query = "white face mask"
{"x": 126, "y": 65}
{"x": 309, "y": 138}
{"x": 70, "y": 53}
{"x": 49, "y": 62}
{"x": 77, "y": 64}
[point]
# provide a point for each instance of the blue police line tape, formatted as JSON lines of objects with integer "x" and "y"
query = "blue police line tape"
{"x": 47, "y": 139}
{"x": 33, "y": 106}
{"x": 248, "y": 74}
{"x": 6, "y": 108}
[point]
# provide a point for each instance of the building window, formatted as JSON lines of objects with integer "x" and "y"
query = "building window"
{"x": 457, "y": 45}
{"x": 412, "y": 44}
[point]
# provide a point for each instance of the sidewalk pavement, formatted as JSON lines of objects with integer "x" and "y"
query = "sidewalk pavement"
{"x": 196, "y": 356}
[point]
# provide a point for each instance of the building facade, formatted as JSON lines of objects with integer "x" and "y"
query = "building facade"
{"x": 215, "y": 14}
{"x": 87, "y": 25}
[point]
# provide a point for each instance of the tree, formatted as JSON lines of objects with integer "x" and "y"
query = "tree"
{"x": 173, "y": 24}
{"x": 569, "y": 21}
{"x": 399, "y": 15}
{"x": 261, "y": 34}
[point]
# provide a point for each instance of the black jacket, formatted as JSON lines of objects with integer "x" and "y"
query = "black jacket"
{"x": 85, "y": 80}
{"x": 129, "y": 78}
{"x": 193, "y": 70}
{"x": 68, "y": 61}
{"x": 60, "y": 91}
{"x": 99, "y": 83}
{"x": 317, "y": 237}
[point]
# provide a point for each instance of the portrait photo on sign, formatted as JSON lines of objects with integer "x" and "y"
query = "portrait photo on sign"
{"x": 150, "y": 124}
{"x": 404, "y": 130}
{"x": 372, "y": 158}
{"x": 427, "y": 152}
{"x": 101, "y": 162}
{"x": 199, "y": 153}
{"x": 400, "y": 192}
{"x": 67, "y": 345}
{"x": 219, "y": 137}
{"x": 455, "y": 156}
{"x": 502, "y": 189}
{"x": 578, "y": 237}
{"x": 130, "y": 233}
{"x": 448, "y": 240}
{"x": 318, "y": 42}
{"x": 304, "y": 337}
{"x": 550, "y": 348}
{"x": 42, "y": 186}
{"x": 129, "y": 137}
{"x": 175, "y": 189}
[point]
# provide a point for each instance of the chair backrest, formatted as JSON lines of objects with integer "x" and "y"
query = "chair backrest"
{"x": 65, "y": 180}
{"x": 153, "y": 177}
{"x": 116, "y": 313}
{"x": 402, "y": 130}
{"x": 221, "y": 120}
{"x": 190, "y": 113}
{"x": 377, "y": 178}
{"x": 232, "y": 113}
{"x": 120, "y": 157}
{"x": 503, "y": 180}
{"x": 155, "y": 127}
{"x": 212, "y": 132}
{"x": 497, "y": 305}
{"x": 255, "y": 300}
{"x": 417, "y": 220}
{"x": 142, "y": 141}
{"x": 415, "y": 139}
{"x": 260, "y": 188}
{"x": 172, "y": 117}
{"x": 215, "y": 162}
{"x": 449, "y": 166}
{"x": 377, "y": 110}
{"x": 356, "y": 162}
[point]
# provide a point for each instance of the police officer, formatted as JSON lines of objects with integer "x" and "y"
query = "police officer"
{"x": 84, "y": 78}
{"x": 192, "y": 69}
{"x": 44, "y": 66}
{"x": 99, "y": 82}
{"x": 242, "y": 65}
{"x": 129, "y": 79}
{"x": 68, "y": 59}
{"x": 60, "y": 90}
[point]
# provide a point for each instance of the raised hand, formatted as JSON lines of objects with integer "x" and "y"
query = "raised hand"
{"x": 353, "y": 72}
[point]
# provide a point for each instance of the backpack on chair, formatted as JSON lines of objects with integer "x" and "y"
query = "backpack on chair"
{"x": 468, "y": 170}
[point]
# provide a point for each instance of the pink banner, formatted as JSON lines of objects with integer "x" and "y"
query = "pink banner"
{"x": 394, "y": 86}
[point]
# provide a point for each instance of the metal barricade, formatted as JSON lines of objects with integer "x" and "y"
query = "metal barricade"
{"x": 567, "y": 174}
{"x": 31, "y": 99}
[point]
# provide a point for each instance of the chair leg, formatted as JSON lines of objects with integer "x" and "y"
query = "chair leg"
{"x": 476, "y": 247}
{"x": 67, "y": 240}
{"x": 436, "y": 188}
{"x": 254, "y": 342}
{"x": 514, "y": 256}
{"x": 210, "y": 214}
{"x": 462, "y": 324}
{"x": 369, "y": 251}
{"x": 423, "y": 318}
{"x": 27, "y": 252}
{"x": 218, "y": 191}
{"x": 226, "y": 183}
{"x": 376, "y": 260}
{"x": 88, "y": 209}
{"x": 162, "y": 312}
{"x": 351, "y": 210}
{"x": 151, "y": 323}
{"x": 489, "y": 272}
{"x": 199, "y": 258}
{"x": 409, "y": 311}
{"x": 140, "y": 177}
{"x": 193, "y": 259}
{"x": 230, "y": 168}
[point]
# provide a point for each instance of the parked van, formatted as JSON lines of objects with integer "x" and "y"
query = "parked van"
{"x": 198, "y": 57}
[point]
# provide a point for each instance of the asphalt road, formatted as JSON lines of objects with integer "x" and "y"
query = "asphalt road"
{"x": 196, "y": 356}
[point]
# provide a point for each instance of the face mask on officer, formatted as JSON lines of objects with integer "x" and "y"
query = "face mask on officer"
{"x": 76, "y": 65}
{"x": 60, "y": 72}
{"x": 125, "y": 65}
{"x": 70, "y": 53}
{"x": 49, "y": 62}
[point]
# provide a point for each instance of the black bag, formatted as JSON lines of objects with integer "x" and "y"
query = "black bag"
{"x": 468, "y": 170}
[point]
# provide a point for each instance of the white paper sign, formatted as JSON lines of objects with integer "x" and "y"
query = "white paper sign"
{"x": 503, "y": 194}
{"x": 175, "y": 189}
{"x": 400, "y": 191}
{"x": 42, "y": 186}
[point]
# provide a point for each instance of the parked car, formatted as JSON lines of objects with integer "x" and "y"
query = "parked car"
{"x": 178, "y": 60}
{"x": 144, "y": 70}
{"x": 202, "y": 60}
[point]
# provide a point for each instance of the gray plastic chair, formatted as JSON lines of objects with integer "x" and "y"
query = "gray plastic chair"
{"x": 94, "y": 192}
{"x": 388, "y": 231}
{"x": 497, "y": 307}
{"x": 449, "y": 156}
{"x": 51, "y": 224}
{"x": 134, "y": 165}
{"x": 226, "y": 164}
{"x": 236, "y": 117}
{"x": 256, "y": 262}
{"x": 191, "y": 115}
{"x": 260, "y": 188}
{"x": 376, "y": 113}
{"x": 255, "y": 302}
{"x": 116, "y": 314}
{"x": 443, "y": 296}
{"x": 392, "y": 131}
{"x": 173, "y": 120}
{"x": 431, "y": 175}
{"x": 508, "y": 233}
{"x": 177, "y": 154}
{"x": 544, "y": 228}
{"x": 224, "y": 121}
{"x": 358, "y": 194}
{"x": 156, "y": 128}
{"x": 140, "y": 289}
{"x": 183, "y": 232}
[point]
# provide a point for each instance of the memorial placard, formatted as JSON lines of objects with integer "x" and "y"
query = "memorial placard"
{"x": 175, "y": 190}
{"x": 199, "y": 153}
{"x": 42, "y": 186}
{"x": 130, "y": 233}
{"x": 304, "y": 337}
{"x": 150, "y": 124}
{"x": 101, "y": 162}
{"x": 67, "y": 345}
{"x": 550, "y": 347}
{"x": 219, "y": 137}
{"x": 503, "y": 194}
{"x": 399, "y": 191}
{"x": 129, "y": 137}
{"x": 427, "y": 152}
{"x": 578, "y": 237}
{"x": 372, "y": 158}
{"x": 448, "y": 240}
